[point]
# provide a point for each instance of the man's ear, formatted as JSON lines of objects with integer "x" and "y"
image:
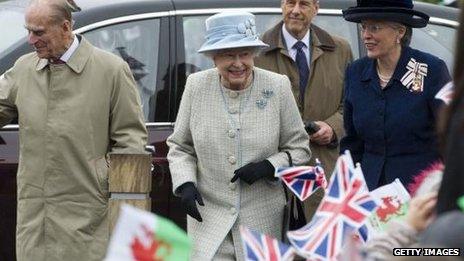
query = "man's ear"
{"x": 316, "y": 7}
{"x": 66, "y": 26}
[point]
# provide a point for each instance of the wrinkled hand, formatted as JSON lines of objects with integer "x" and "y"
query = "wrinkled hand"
{"x": 254, "y": 171}
{"x": 189, "y": 196}
{"x": 421, "y": 211}
{"x": 324, "y": 135}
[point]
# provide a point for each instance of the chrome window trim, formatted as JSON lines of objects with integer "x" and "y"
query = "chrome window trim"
{"x": 217, "y": 10}
{"x": 442, "y": 21}
{"x": 434, "y": 20}
{"x": 136, "y": 17}
{"x": 15, "y": 127}
{"x": 118, "y": 20}
{"x": 159, "y": 124}
{"x": 257, "y": 10}
{"x": 10, "y": 127}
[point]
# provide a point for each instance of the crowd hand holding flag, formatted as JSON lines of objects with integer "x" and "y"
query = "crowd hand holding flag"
{"x": 189, "y": 198}
{"x": 252, "y": 172}
{"x": 421, "y": 211}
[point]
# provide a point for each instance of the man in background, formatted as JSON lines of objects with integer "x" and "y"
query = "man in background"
{"x": 315, "y": 62}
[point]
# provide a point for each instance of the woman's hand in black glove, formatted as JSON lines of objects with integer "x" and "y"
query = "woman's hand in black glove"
{"x": 254, "y": 171}
{"x": 189, "y": 196}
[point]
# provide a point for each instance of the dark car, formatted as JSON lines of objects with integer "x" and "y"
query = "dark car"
{"x": 159, "y": 40}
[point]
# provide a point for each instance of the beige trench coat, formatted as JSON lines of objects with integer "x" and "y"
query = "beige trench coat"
{"x": 323, "y": 100}
{"x": 70, "y": 116}
{"x": 205, "y": 148}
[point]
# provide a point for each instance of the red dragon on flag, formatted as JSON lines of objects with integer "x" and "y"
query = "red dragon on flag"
{"x": 155, "y": 250}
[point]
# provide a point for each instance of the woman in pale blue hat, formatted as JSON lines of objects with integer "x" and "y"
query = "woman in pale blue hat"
{"x": 235, "y": 125}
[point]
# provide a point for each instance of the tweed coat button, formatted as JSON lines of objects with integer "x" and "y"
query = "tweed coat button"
{"x": 232, "y": 186}
{"x": 232, "y": 160}
{"x": 233, "y": 94}
{"x": 233, "y": 110}
{"x": 233, "y": 211}
{"x": 231, "y": 134}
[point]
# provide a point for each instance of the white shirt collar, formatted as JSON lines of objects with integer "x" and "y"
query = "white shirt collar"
{"x": 290, "y": 42}
{"x": 65, "y": 57}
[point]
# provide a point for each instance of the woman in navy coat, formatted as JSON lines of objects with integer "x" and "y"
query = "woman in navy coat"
{"x": 390, "y": 105}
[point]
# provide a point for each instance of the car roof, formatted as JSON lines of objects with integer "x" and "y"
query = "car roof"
{"x": 116, "y": 8}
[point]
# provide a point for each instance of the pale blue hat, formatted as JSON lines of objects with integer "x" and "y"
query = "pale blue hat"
{"x": 231, "y": 29}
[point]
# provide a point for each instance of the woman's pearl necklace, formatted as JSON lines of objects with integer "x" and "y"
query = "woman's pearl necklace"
{"x": 383, "y": 78}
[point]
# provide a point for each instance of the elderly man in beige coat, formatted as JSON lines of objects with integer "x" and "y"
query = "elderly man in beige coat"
{"x": 75, "y": 103}
{"x": 321, "y": 96}
{"x": 235, "y": 124}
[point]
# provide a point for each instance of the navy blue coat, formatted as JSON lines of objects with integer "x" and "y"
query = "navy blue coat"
{"x": 391, "y": 132}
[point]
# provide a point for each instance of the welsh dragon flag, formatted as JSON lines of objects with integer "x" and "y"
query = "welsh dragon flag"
{"x": 142, "y": 236}
{"x": 395, "y": 199}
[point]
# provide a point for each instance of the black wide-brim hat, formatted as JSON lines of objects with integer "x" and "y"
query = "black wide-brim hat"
{"x": 400, "y": 11}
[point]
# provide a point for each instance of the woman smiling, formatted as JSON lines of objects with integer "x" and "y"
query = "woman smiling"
{"x": 235, "y": 125}
{"x": 390, "y": 104}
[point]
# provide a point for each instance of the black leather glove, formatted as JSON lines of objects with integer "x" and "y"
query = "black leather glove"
{"x": 189, "y": 194}
{"x": 254, "y": 171}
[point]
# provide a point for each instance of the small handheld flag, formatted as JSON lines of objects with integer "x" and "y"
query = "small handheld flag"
{"x": 343, "y": 210}
{"x": 142, "y": 236}
{"x": 303, "y": 181}
{"x": 258, "y": 247}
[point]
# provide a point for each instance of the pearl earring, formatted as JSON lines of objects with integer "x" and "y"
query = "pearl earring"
{"x": 397, "y": 40}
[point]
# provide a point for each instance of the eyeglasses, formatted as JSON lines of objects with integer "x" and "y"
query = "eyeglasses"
{"x": 371, "y": 28}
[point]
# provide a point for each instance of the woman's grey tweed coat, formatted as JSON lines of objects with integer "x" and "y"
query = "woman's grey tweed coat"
{"x": 205, "y": 149}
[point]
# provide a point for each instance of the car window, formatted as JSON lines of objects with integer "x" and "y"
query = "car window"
{"x": 336, "y": 25}
{"x": 194, "y": 32}
{"x": 11, "y": 29}
{"x": 437, "y": 40}
{"x": 138, "y": 44}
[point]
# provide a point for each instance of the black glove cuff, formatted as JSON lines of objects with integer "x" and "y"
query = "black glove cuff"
{"x": 269, "y": 168}
{"x": 183, "y": 186}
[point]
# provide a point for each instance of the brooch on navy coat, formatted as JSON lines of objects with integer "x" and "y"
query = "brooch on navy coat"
{"x": 262, "y": 102}
{"x": 414, "y": 77}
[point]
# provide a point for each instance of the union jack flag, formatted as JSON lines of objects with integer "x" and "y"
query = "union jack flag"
{"x": 258, "y": 247}
{"x": 303, "y": 180}
{"x": 343, "y": 210}
{"x": 446, "y": 93}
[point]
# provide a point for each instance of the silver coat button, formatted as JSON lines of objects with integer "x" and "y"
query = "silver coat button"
{"x": 231, "y": 134}
{"x": 232, "y": 186}
{"x": 233, "y": 111}
{"x": 233, "y": 211}
{"x": 232, "y": 160}
{"x": 233, "y": 94}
